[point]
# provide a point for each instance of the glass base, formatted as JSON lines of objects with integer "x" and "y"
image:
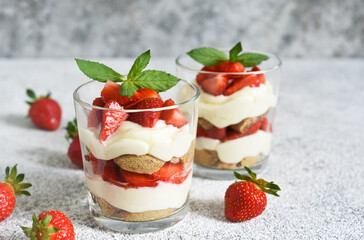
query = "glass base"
{"x": 227, "y": 174}
{"x": 138, "y": 227}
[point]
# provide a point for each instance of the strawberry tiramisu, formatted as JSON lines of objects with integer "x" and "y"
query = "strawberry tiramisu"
{"x": 138, "y": 143}
{"x": 238, "y": 98}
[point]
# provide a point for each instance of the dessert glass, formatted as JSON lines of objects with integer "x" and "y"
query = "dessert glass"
{"x": 241, "y": 124}
{"x": 125, "y": 192}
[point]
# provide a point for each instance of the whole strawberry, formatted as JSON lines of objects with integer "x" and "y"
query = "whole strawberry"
{"x": 9, "y": 189}
{"x": 44, "y": 111}
{"x": 50, "y": 225}
{"x": 246, "y": 199}
{"x": 74, "y": 150}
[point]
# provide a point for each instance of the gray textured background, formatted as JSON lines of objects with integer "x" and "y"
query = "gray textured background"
{"x": 110, "y": 28}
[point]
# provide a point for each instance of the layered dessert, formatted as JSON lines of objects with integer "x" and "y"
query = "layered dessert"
{"x": 236, "y": 101}
{"x": 138, "y": 153}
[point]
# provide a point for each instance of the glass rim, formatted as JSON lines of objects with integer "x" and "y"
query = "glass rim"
{"x": 262, "y": 71}
{"x": 85, "y": 104}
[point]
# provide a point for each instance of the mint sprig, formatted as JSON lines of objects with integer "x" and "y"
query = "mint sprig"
{"x": 156, "y": 80}
{"x": 208, "y": 56}
{"x": 99, "y": 71}
{"x": 211, "y": 56}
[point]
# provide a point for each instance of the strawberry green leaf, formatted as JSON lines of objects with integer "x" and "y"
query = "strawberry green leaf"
{"x": 208, "y": 56}
{"x": 139, "y": 64}
{"x": 251, "y": 59}
{"x": 233, "y": 54}
{"x": 23, "y": 192}
{"x": 128, "y": 88}
{"x": 241, "y": 177}
{"x": 98, "y": 71}
{"x": 252, "y": 174}
{"x": 271, "y": 192}
{"x": 272, "y": 186}
{"x": 31, "y": 94}
{"x": 19, "y": 178}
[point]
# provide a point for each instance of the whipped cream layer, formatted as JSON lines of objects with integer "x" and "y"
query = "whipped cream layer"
{"x": 235, "y": 150}
{"x": 162, "y": 141}
{"x": 223, "y": 111}
{"x": 165, "y": 195}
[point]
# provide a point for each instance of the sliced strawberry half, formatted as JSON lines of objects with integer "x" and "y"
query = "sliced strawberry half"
{"x": 230, "y": 67}
{"x": 213, "y": 132}
{"x": 201, "y": 132}
{"x": 174, "y": 116}
{"x": 111, "y": 174}
{"x": 111, "y": 119}
{"x": 140, "y": 95}
{"x": 171, "y": 172}
{"x": 110, "y": 92}
{"x": 202, "y": 76}
{"x": 97, "y": 164}
{"x": 215, "y": 85}
{"x": 240, "y": 83}
{"x": 260, "y": 76}
{"x": 216, "y": 133}
{"x": 264, "y": 124}
{"x": 148, "y": 118}
{"x": 253, "y": 128}
{"x": 95, "y": 117}
{"x": 138, "y": 179}
{"x": 232, "y": 134}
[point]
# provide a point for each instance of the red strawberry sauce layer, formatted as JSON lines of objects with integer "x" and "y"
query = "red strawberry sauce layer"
{"x": 110, "y": 172}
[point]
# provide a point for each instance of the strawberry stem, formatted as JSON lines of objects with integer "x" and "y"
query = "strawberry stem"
{"x": 14, "y": 180}
{"x": 267, "y": 187}
{"x": 34, "y": 97}
{"x": 72, "y": 129}
{"x": 39, "y": 229}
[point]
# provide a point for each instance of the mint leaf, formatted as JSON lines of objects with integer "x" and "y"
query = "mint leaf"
{"x": 128, "y": 88}
{"x": 158, "y": 81}
{"x": 208, "y": 56}
{"x": 251, "y": 59}
{"x": 233, "y": 54}
{"x": 139, "y": 64}
{"x": 98, "y": 71}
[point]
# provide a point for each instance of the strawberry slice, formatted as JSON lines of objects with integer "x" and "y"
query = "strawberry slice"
{"x": 240, "y": 83}
{"x": 215, "y": 85}
{"x": 216, "y": 133}
{"x": 232, "y": 134}
{"x": 174, "y": 116}
{"x": 253, "y": 128}
{"x": 111, "y": 119}
{"x": 213, "y": 132}
{"x": 230, "y": 67}
{"x": 97, "y": 164}
{"x": 138, "y": 179}
{"x": 202, "y": 76}
{"x": 264, "y": 124}
{"x": 95, "y": 117}
{"x": 111, "y": 174}
{"x": 173, "y": 173}
{"x": 260, "y": 76}
{"x": 201, "y": 132}
{"x": 140, "y": 95}
{"x": 111, "y": 92}
{"x": 148, "y": 118}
